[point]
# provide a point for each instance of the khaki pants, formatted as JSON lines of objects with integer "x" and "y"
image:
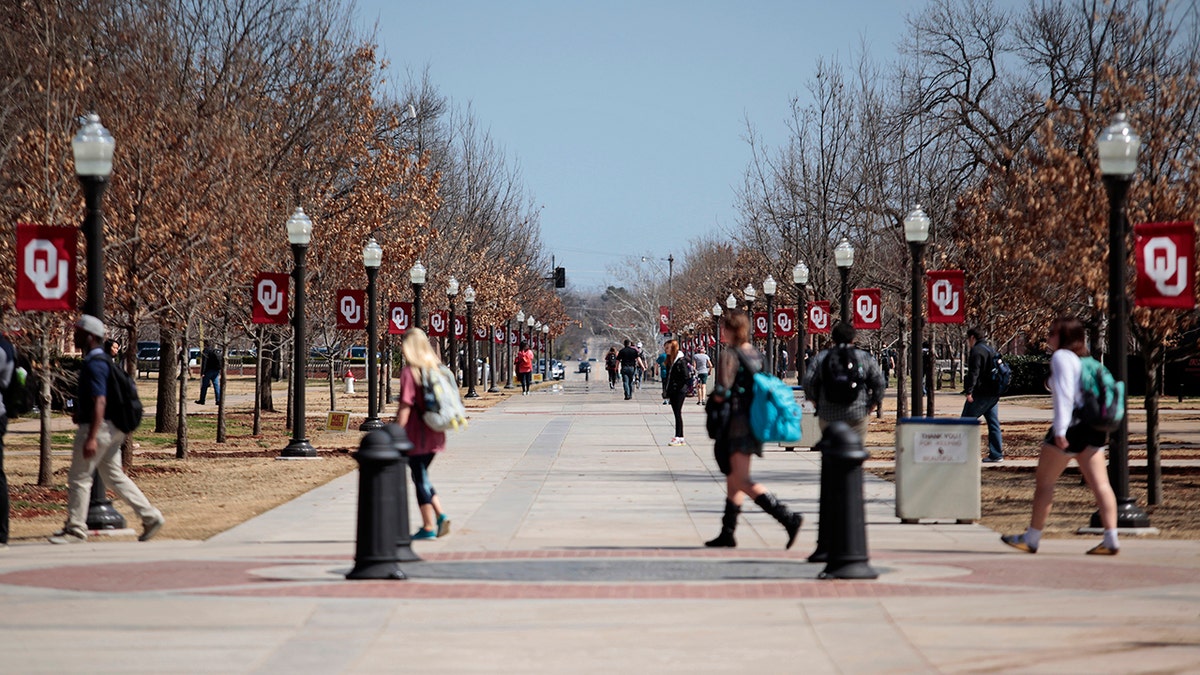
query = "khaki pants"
{"x": 107, "y": 461}
{"x": 859, "y": 427}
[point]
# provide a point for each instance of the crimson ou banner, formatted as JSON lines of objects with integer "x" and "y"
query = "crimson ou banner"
{"x": 867, "y": 308}
{"x": 498, "y": 335}
{"x": 1166, "y": 265}
{"x": 460, "y": 327}
{"x": 439, "y": 323}
{"x": 270, "y": 298}
{"x": 45, "y": 268}
{"x": 664, "y": 320}
{"x": 945, "y": 296}
{"x": 399, "y": 317}
{"x": 481, "y": 332}
{"x": 761, "y": 325}
{"x": 818, "y": 317}
{"x": 351, "y": 309}
{"x": 784, "y": 322}
{"x": 514, "y": 337}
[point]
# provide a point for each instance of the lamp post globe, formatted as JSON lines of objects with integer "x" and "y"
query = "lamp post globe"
{"x": 731, "y": 302}
{"x": 93, "y": 148}
{"x": 769, "y": 288}
{"x": 800, "y": 280}
{"x": 916, "y": 233}
{"x": 750, "y": 295}
{"x": 529, "y": 323}
{"x": 299, "y": 231}
{"x": 547, "y": 370}
{"x": 716, "y": 314}
{"x": 416, "y": 277}
{"x": 1117, "y": 148}
{"x": 372, "y": 259}
{"x": 469, "y": 298}
{"x": 843, "y": 255}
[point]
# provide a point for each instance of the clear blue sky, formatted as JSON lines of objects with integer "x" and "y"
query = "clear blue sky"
{"x": 627, "y": 118}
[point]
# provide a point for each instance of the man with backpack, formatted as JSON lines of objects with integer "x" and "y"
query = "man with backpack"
{"x": 98, "y": 442}
{"x": 983, "y": 392}
{"x": 8, "y": 362}
{"x": 844, "y": 382}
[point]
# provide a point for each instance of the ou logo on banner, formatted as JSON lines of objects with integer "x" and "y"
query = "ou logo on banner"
{"x": 818, "y": 317}
{"x": 943, "y": 296}
{"x": 270, "y": 298}
{"x": 50, "y": 276}
{"x": 399, "y": 318}
{"x": 437, "y": 322}
{"x": 1164, "y": 266}
{"x": 350, "y": 309}
{"x": 498, "y": 336}
{"x": 761, "y": 325}
{"x": 783, "y": 322}
{"x": 867, "y": 313}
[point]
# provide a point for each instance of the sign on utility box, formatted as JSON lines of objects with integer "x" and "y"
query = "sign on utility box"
{"x": 937, "y": 469}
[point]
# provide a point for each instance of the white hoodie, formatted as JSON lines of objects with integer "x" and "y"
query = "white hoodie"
{"x": 1065, "y": 370}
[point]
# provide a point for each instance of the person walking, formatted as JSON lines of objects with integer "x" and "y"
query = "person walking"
{"x": 523, "y": 362}
{"x": 675, "y": 386}
{"x": 982, "y": 392}
{"x": 735, "y": 443}
{"x": 420, "y": 357}
{"x": 1068, "y": 439}
{"x": 702, "y": 362}
{"x": 8, "y": 365}
{"x": 211, "y": 367}
{"x": 630, "y": 360}
{"x": 98, "y": 443}
{"x": 844, "y": 382}
{"x": 612, "y": 365}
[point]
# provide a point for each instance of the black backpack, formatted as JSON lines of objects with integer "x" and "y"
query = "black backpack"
{"x": 842, "y": 375}
{"x": 1000, "y": 373}
{"x": 18, "y": 399}
{"x": 123, "y": 407}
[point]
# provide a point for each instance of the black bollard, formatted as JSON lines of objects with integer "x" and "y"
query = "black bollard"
{"x": 825, "y": 505}
{"x": 374, "y": 551}
{"x": 404, "y": 551}
{"x": 843, "y": 513}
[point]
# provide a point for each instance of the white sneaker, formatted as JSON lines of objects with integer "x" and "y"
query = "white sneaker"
{"x": 677, "y": 441}
{"x": 68, "y": 538}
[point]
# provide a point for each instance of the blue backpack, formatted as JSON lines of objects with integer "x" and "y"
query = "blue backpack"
{"x": 774, "y": 413}
{"x": 1103, "y": 405}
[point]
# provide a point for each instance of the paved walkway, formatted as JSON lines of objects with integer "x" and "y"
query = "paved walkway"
{"x": 576, "y": 547}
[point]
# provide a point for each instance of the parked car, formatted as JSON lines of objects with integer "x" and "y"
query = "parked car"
{"x": 147, "y": 360}
{"x": 584, "y": 367}
{"x": 556, "y": 369}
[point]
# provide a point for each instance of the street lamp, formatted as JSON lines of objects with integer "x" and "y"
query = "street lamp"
{"x": 769, "y": 287}
{"x": 530, "y": 323}
{"x": 750, "y": 295}
{"x": 93, "y": 150}
{"x": 491, "y": 350}
{"x": 716, "y": 315}
{"x": 299, "y": 229}
{"x": 546, "y": 347}
{"x": 508, "y": 342}
{"x": 451, "y": 292}
{"x": 916, "y": 232}
{"x": 1117, "y": 148}
{"x": 469, "y": 298}
{"x": 800, "y": 279}
{"x": 843, "y": 255}
{"x": 416, "y": 277}
{"x": 372, "y": 258}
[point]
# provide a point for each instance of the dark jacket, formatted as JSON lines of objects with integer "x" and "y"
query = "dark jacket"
{"x": 677, "y": 378}
{"x": 212, "y": 361}
{"x": 978, "y": 380}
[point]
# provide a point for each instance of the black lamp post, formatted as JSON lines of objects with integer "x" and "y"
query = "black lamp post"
{"x": 530, "y": 321}
{"x": 299, "y": 229}
{"x": 469, "y": 298}
{"x": 546, "y": 346}
{"x": 372, "y": 258}
{"x": 491, "y": 343}
{"x": 800, "y": 279}
{"x": 1118, "y": 148}
{"x": 916, "y": 232}
{"x": 93, "y": 150}
{"x": 508, "y": 358}
{"x": 451, "y": 293}
{"x": 843, "y": 255}
{"x": 769, "y": 288}
{"x": 416, "y": 276}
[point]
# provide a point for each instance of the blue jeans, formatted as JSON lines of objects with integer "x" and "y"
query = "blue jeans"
{"x": 627, "y": 375}
{"x": 419, "y": 466}
{"x": 213, "y": 376}
{"x": 989, "y": 408}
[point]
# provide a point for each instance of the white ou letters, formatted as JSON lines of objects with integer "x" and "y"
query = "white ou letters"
{"x": 760, "y": 324}
{"x": 818, "y": 316}
{"x": 400, "y": 318}
{"x": 944, "y": 297}
{"x": 437, "y": 322}
{"x": 269, "y": 297}
{"x": 42, "y": 266}
{"x": 784, "y": 323}
{"x": 1162, "y": 263}
{"x": 867, "y": 310}
{"x": 351, "y": 310}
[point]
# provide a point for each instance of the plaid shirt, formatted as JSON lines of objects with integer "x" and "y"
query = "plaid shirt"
{"x": 869, "y": 397}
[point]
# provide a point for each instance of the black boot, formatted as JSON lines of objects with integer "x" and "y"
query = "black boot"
{"x": 790, "y": 521}
{"x": 728, "y": 525}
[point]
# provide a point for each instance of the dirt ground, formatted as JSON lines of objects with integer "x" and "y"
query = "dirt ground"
{"x": 221, "y": 485}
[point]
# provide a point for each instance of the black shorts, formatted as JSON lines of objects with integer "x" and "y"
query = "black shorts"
{"x": 1080, "y": 438}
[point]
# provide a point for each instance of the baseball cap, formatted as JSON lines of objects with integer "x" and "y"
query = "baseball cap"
{"x": 91, "y": 325}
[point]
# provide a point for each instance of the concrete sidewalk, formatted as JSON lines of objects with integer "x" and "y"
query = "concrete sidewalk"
{"x": 576, "y": 546}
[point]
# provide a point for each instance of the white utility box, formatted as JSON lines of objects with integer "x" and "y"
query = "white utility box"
{"x": 937, "y": 469}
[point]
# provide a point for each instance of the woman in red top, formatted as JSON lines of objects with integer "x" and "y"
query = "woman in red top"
{"x": 524, "y": 363}
{"x": 419, "y": 355}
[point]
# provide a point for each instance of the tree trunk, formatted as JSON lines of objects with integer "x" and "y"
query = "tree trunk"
{"x": 258, "y": 381}
{"x": 165, "y": 421}
{"x": 1153, "y": 357}
{"x": 224, "y": 352}
{"x": 181, "y": 438}
{"x": 45, "y": 468}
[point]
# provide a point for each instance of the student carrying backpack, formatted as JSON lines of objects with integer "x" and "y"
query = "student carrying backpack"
{"x": 124, "y": 407}
{"x": 844, "y": 382}
{"x": 1102, "y": 404}
{"x": 444, "y": 409}
{"x": 17, "y": 397}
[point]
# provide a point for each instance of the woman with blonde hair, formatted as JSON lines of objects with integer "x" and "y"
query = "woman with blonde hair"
{"x": 735, "y": 442}
{"x": 1068, "y": 439}
{"x": 420, "y": 357}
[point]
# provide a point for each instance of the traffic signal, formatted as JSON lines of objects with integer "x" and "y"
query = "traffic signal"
{"x": 560, "y": 277}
